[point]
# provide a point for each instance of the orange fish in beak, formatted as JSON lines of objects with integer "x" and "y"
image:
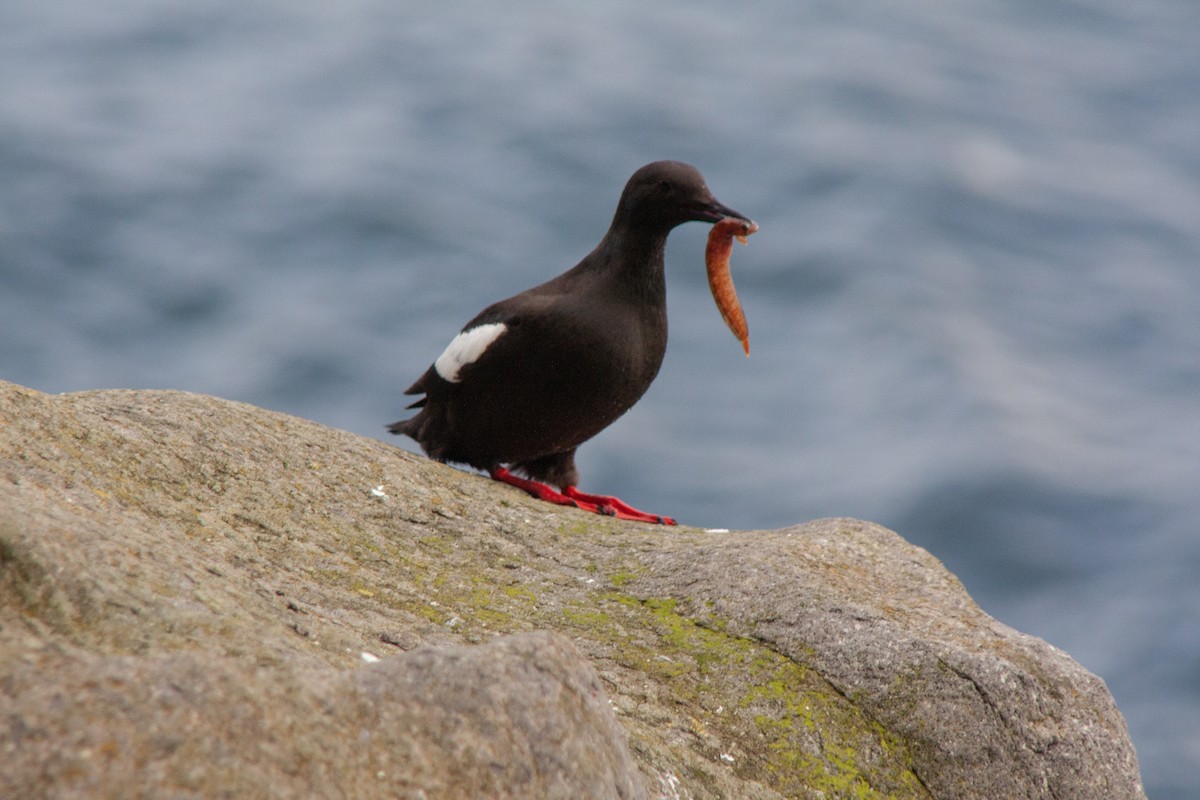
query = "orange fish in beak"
{"x": 720, "y": 280}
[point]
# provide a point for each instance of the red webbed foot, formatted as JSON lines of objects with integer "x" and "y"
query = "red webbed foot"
{"x": 616, "y": 507}
{"x": 570, "y": 496}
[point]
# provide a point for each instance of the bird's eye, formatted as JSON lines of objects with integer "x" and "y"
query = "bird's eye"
{"x": 665, "y": 187}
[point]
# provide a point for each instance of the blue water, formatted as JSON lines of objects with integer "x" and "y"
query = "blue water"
{"x": 974, "y": 302}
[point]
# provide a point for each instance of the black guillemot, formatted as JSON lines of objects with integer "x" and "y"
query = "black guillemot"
{"x": 531, "y": 378}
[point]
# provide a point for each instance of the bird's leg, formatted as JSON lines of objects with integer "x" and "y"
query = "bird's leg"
{"x": 615, "y": 506}
{"x": 570, "y": 496}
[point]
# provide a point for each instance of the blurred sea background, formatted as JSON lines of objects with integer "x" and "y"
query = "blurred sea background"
{"x": 974, "y": 303}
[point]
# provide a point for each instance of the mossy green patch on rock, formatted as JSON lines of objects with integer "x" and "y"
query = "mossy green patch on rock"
{"x": 806, "y": 736}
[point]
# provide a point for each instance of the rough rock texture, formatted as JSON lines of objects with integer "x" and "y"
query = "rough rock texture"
{"x": 188, "y": 586}
{"x": 523, "y": 716}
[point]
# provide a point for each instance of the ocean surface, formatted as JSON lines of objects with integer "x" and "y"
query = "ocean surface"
{"x": 974, "y": 302}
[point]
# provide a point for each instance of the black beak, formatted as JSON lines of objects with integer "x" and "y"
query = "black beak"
{"x": 714, "y": 211}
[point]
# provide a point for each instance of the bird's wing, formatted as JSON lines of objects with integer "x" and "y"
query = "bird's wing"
{"x": 477, "y": 336}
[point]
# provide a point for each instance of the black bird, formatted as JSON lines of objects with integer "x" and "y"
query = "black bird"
{"x": 531, "y": 378}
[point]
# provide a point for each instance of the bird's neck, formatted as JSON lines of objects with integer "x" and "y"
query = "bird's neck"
{"x": 635, "y": 259}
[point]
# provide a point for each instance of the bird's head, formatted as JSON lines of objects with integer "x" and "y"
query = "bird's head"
{"x": 664, "y": 194}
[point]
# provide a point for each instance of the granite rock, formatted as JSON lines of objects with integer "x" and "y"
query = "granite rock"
{"x": 203, "y": 598}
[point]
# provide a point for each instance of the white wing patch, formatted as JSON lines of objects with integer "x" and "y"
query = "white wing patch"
{"x": 466, "y": 348}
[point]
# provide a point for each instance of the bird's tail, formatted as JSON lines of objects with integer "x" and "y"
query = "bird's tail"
{"x": 407, "y": 427}
{"x": 423, "y": 429}
{"x": 415, "y": 427}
